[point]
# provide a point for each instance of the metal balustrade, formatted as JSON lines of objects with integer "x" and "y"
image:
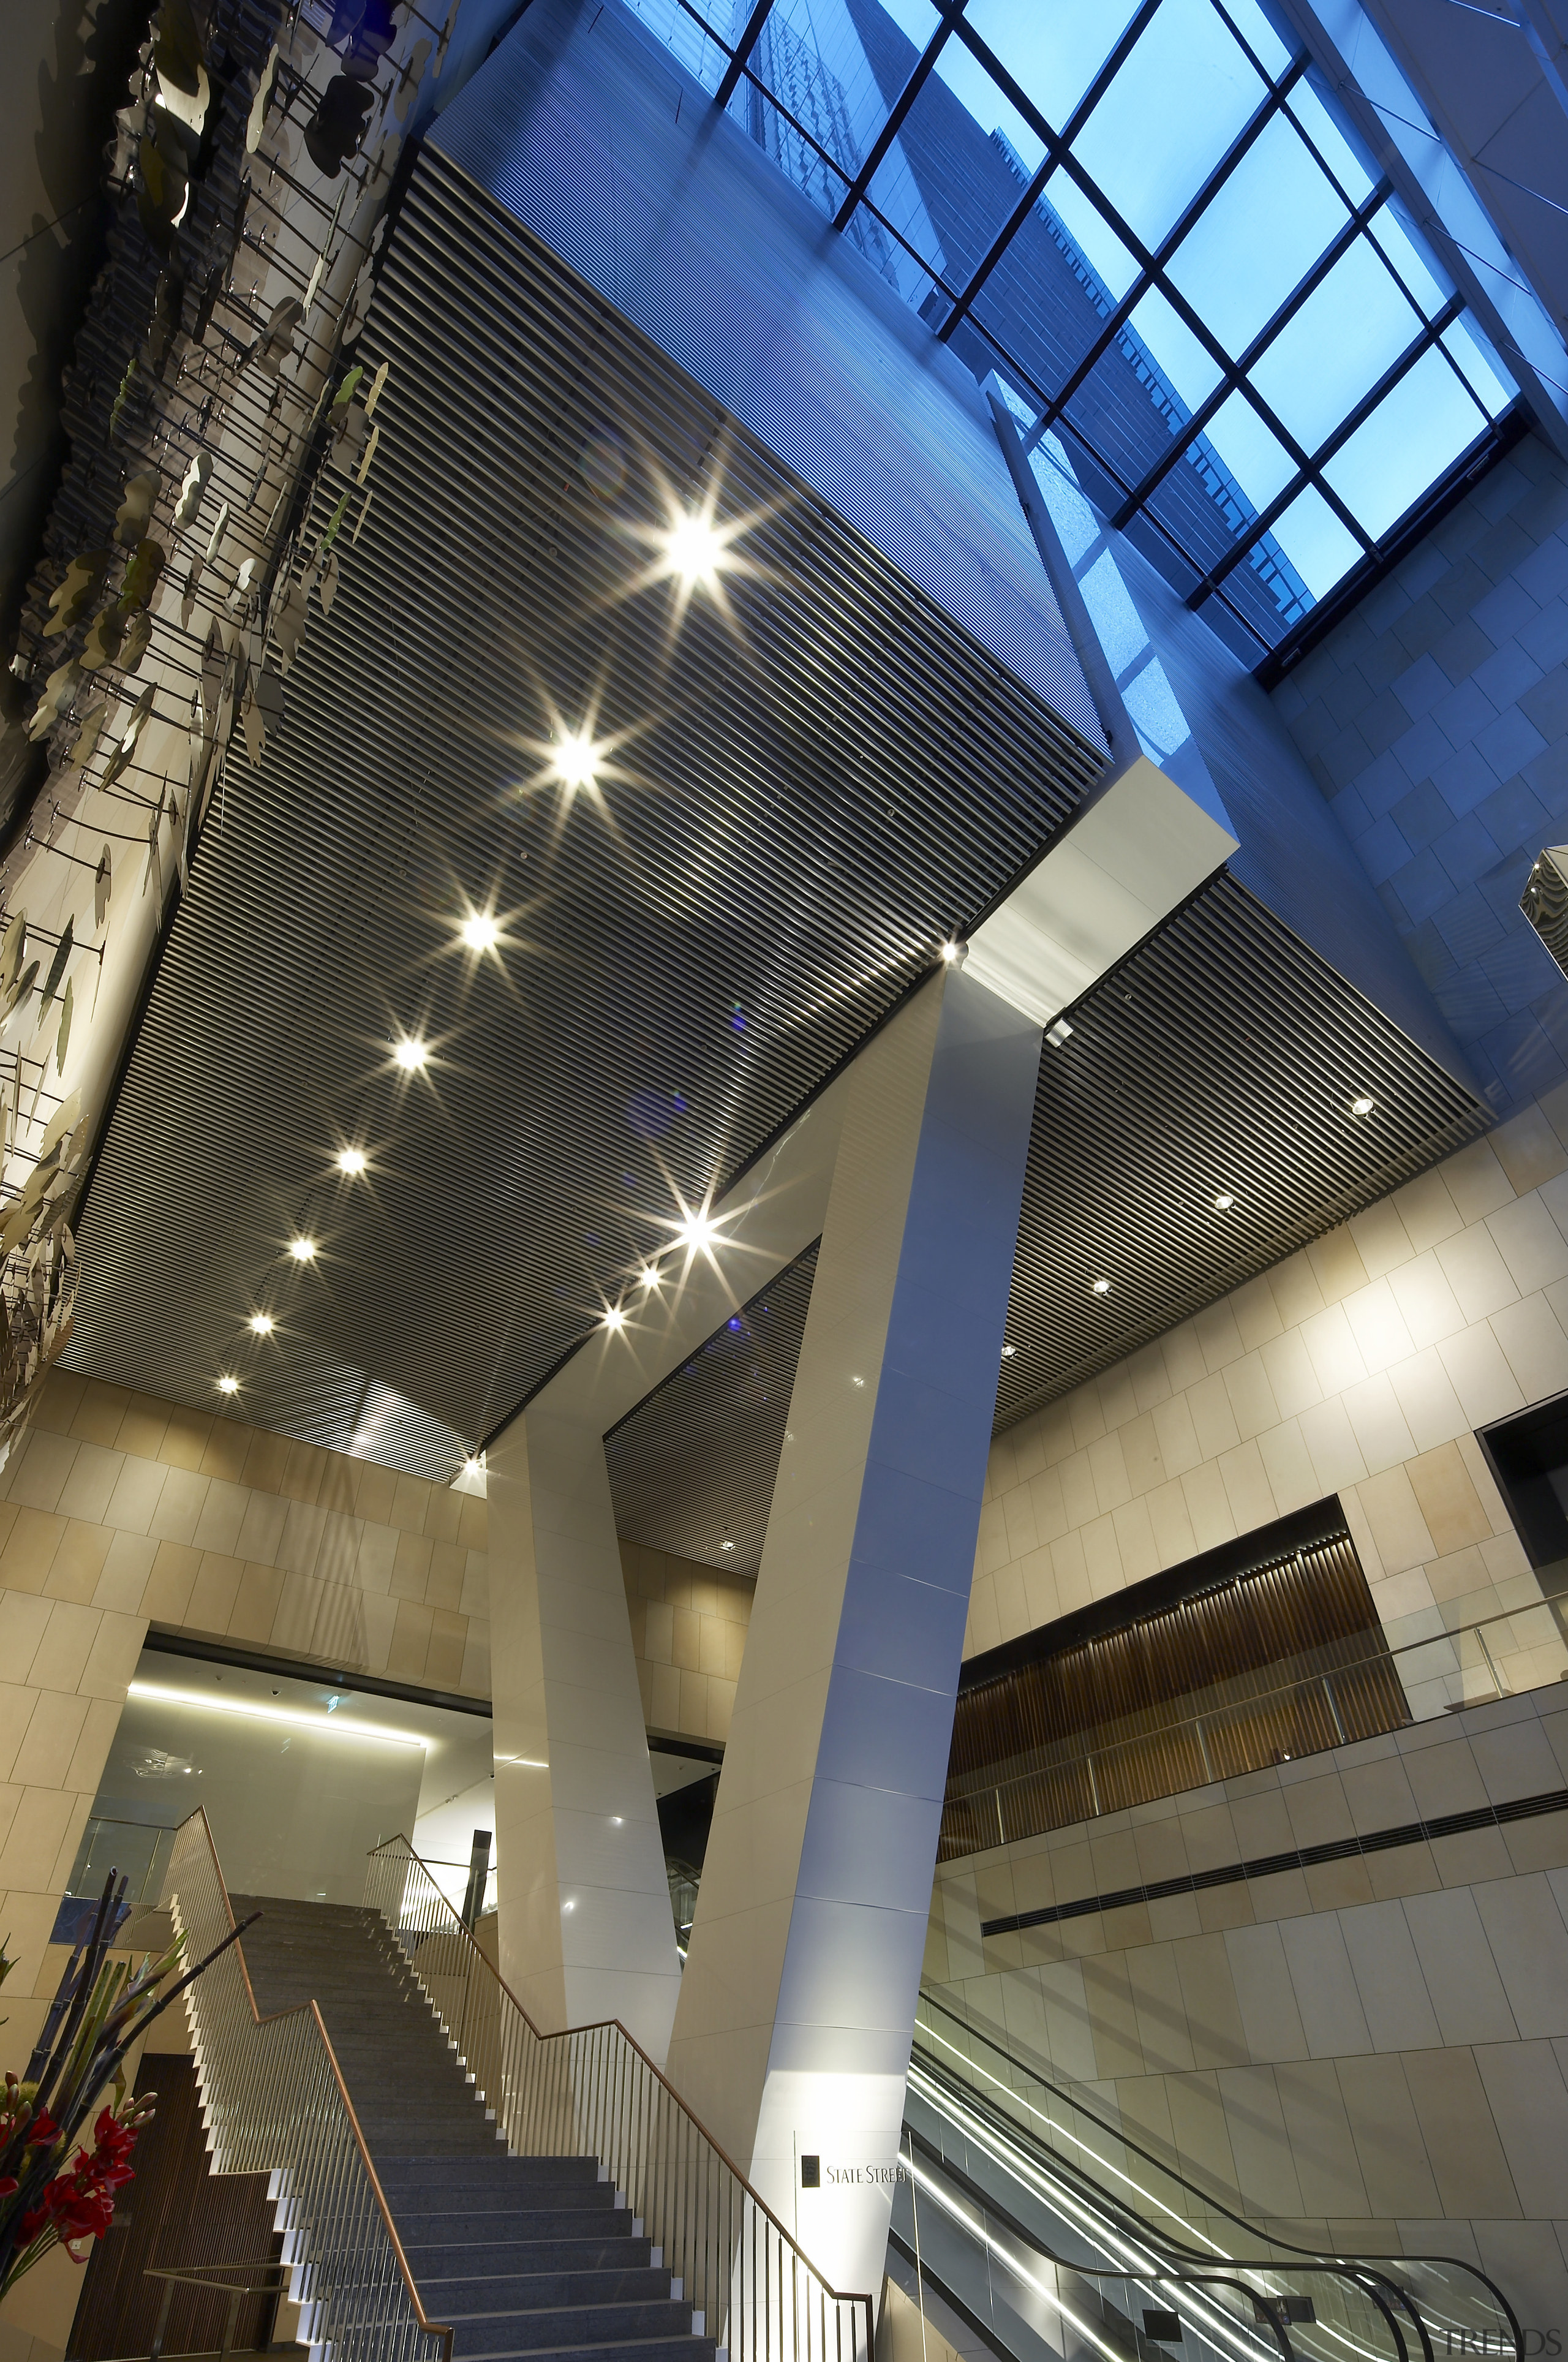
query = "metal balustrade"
{"x": 594, "y": 2092}
{"x": 274, "y": 2102}
{"x": 1111, "y": 1767}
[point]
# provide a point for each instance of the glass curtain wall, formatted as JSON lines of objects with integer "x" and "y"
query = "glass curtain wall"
{"x": 1154, "y": 222}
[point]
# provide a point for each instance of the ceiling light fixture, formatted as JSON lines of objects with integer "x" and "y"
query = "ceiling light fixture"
{"x": 1223, "y": 1203}
{"x": 576, "y": 759}
{"x": 409, "y": 1054}
{"x": 226, "y": 1386}
{"x": 1102, "y": 1287}
{"x": 302, "y": 1250}
{"x": 649, "y": 1278}
{"x": 481, "y": 932}
{"x": 698, "y": 1229}
{"x": 949, "y": 953}
{"x": 1008, "y": 1352}
{"x": 351, "y": 1159}
{"x": 263, "y": 1324}
{"x": 691, "y": 548}
{"x": 337, "y": 1728}
{"x": 726, "y": 1545}
{"x": 1362, "y": 1105}
{"x": 614, "y": 1317}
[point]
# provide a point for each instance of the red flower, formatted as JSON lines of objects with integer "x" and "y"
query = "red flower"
{"x": 79, "y": 2205}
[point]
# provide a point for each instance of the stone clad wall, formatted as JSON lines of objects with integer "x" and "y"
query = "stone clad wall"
{"x": 120, "y": 1509}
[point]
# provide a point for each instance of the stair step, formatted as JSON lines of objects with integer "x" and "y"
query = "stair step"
{"x": 688, "y": 2348}
{"x": 526, "y": 2256}
{"x": 517, "y": 2171}
{"x": 473, "y": 2292}
{"x": 583, "y": 2324}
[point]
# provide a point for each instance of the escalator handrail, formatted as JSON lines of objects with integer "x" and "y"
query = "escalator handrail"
{"x": 1208, "y": 2203}
{"x": 1218, "y": 2269}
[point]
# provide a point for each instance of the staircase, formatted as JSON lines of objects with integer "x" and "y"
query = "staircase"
{"x": 524, "y": 2255}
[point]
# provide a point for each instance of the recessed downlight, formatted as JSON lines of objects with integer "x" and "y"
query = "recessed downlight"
{"x": 409, "y": 1054}
{"x": 351, "y": 1159}
{"x": 302, "y": 1250}
{"x": 481, "y": 932}
{"x": 1102, "y": 1287}
{"x": 1363, "y": 1106}
{"x": 228, "y": 1386}
{"x": 615, "y": 1317}
{"x": 1008, "y": 1352}
{"x": 1223, "y": 1203}
{"x": 263, "y": 1324}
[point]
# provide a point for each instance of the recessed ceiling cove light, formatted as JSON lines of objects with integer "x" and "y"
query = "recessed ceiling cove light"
{"x": 302, "y": 1250}
{"x": 226, "y": 1386}
{"x": 1223, "y": 1203}
{"x": 1362, "y": 1105}
{"x": 263, "y": 1324}
{"x": 1102, "y": 1287}
{"x": 351, "y": 1159}
{"x": 409, "y": 1054}
{"x": 480, "y": 933}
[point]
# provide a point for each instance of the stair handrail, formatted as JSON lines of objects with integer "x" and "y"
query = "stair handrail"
{"x": 188, "y": 1841}
{"x": 858, "y": 2351}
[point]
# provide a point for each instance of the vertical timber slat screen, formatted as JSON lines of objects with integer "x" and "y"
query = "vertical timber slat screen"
{"x": 1250, "y": 1655}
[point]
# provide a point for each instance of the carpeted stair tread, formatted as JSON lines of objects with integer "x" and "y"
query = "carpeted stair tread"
{"x": 525, "y": 2256}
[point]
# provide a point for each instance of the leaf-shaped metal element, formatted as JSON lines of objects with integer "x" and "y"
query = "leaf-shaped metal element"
{"x": 57, "y": 691}
{"x": 193, "y": 488}
{"x": 260, "y": 103}
{"x": 70, "y": 598}
{"x": 136, "y": 508}
{"x": 62, "y": 1040}
{"x": 57, "y": 965}
{"x": 16, "y": 945}
{"x": 102, "y": 883}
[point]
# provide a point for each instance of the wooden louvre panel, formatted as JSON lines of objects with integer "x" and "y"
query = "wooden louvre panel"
{"x": 1216, "y": 1674}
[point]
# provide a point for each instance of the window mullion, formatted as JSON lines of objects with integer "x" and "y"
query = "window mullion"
{"x": 1236, "y": 374}
{"x": 924, "y": 64}
{"x": 1312, "y": 472}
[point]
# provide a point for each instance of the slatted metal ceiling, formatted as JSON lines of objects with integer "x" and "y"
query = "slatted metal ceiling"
{"x": 1221, "y": 1059}
{"x": 814, "y": 803}
{"x": 693, "y": 1467}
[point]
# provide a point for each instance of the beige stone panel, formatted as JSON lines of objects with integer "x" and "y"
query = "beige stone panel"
{"x": 133, "y": 1504}
{"x": 1524, "y": 2088}
{"x": 1331, "y": 1445}
{"x": 1173, "y": 1538}
{"x": 410, "y": 1640}
{"x": 100, "y": 1413}
{"x": 40, "y": 1826}
{"x": 293, "y": 1620}
{"x": 43, "y": 1470}
{"x": 1207, "y": 1505}
{"x": 53, "y": 1730}
{"x": 128, "y": 1564}
{"x": 407, "y": 1510}
{"x": 1201, "y": 2133}
{"x": 1400, "y": 1532}
{"x": 1461, "y": 2137}
{"x": 1527, "y": 1149}
{"x": 220, "y": 1517}
{"x": 253, "y": 1614}
{"x": 341, "y": 1632}
{"x": 216, "y": 1590}
{"x": 373, "y": 1490}
{"x": 184, "y": 1437}
{"x": 298, "y": 1547}
{"x": 338, "y": 1556}
{"x": 180, "y": 1505}
{"x": 1395, "y": 2168}
{"x": 223, "y": 1454}
{"x": 266, "y": 1457}
{"x": 378, "y": 1553}
{"x": 1212, "y": 1419}
{"x": 411, "y": 1566}
{"x": 171, "y": 1582}
{"x": 78, "y": 1562}
{"x": 444, "y": 1582}
{"x": 473, "y": 1522}
{"x": 261, "y": 1528}
{"x": 1426, "y": 1397}
{"x": 1163, "y": 2033}
{"x": 1289, "y": 1368}
{"x": 448, "y": 1637}
{"x": 30, "y": 1549}
{"x": 1247, "y": 1489}
{"x": 1213, "y": 2016}
{"x": 442, "y": 1515}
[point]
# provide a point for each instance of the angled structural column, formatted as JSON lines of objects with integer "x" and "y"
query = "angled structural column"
{"x": 585, "y": 1922}
{"x": 793, "y": 2028}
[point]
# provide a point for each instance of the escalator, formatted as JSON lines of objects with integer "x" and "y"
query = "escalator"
{"x": 1042, "y": 2231}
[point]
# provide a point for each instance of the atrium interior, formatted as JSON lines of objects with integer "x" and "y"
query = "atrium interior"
{"x": 784, "y": 1181}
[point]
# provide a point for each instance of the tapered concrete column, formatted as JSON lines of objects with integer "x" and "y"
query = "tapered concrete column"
{"x": 585, "y": 1925}
{"x": 793, "y": 2033}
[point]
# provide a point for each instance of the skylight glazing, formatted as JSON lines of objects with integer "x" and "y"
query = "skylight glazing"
{"x": 1153, "y": 224}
